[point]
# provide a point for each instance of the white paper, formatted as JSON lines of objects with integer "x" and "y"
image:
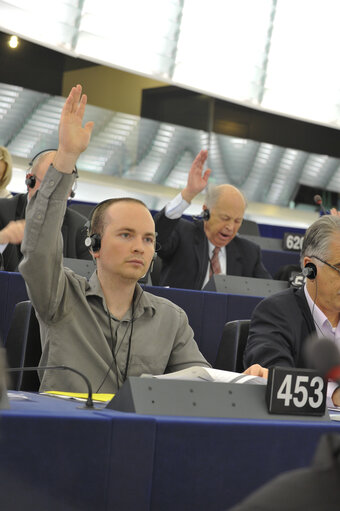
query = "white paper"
{"x": 209, "y": 374}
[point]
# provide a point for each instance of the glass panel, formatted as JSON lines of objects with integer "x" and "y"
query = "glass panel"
{"x": 222, "y": 48}
{"x": 145, "y": 155}
{"x": 141, "y": 36}
{"x": 36, "y": 21}
{"x": 303, "y": 76}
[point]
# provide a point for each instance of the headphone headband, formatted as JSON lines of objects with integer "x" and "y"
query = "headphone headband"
{"x": 31, "y": 179}
{"x": 36, "y": 156}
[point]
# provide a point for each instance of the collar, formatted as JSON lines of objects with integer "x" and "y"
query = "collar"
{"x": 143, "y": 304}
{"x": 211, "y": 248}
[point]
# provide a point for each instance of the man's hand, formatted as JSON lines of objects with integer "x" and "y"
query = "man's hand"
{"x": 13, "y": 232}
{"x": 196, "y": 181}
{"x": 73, "y": 137}
{"x": 257, "y": 370}
{"x": 336, "y": 397}
{"x": 335, "y": 212}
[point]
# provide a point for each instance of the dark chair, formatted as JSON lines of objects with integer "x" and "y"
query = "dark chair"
{"x": 23, "y": 347}
{"x": 232, "y": 344}
{"x": 156, "y": 271}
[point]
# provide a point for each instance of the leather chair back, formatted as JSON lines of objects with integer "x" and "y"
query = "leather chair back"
{"x": 232, "y": 345}
{"x": 23, "y": 347}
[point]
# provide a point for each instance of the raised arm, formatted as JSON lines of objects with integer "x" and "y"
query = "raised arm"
{"x": 42, "y": 247}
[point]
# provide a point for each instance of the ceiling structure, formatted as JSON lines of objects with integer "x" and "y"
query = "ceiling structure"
{"x": 141, "y": 150}
{"x": 276, "y": 55}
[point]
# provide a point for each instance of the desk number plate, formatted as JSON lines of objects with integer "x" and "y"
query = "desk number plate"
{"x": 292, "y": 241}
{"x": 295, "y": 391}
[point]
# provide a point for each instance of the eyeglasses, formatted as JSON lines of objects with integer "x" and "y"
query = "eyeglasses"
{"x": 325, "y": 262}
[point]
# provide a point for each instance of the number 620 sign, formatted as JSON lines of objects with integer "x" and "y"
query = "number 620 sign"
{"x": 292, "y": 241}
{"x": 295, "y": 391}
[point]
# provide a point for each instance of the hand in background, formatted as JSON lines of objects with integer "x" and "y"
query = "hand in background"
{"x": 13, "y": 232}
{"x": 197, "y": 179}
{"x": 257, "y": 370}
{"x": 336, "y": 397}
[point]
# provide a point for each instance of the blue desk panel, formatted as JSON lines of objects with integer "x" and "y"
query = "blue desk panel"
{"x": 278, "y": 231}
{"x": 54, "y": 456}
{"x": 275, "y": 259}
{"x": 208, "y": 312}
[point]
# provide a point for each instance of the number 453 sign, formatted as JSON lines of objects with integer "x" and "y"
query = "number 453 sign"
{"x": 296, "y": 391}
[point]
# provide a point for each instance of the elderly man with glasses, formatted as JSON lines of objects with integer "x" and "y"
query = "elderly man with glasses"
{"x": 281, "y": 323}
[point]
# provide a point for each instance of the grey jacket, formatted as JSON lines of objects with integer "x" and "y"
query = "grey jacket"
{"x": 73, "y": 316}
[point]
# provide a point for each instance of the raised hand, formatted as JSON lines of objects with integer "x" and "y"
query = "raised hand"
{"x": 73, "y": 137}
{"x": 197, "y": 179}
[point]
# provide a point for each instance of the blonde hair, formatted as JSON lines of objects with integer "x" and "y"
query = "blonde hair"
{"x": 7, "y": 158}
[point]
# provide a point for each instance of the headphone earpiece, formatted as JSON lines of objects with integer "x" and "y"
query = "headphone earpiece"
{"x": 93, "y": 242}
{"x": 310, "y": 271}
{"x": 205, "y": 214}
{"x": 30, "y": 180}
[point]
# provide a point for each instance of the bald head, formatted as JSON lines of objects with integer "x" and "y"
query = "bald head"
{"x": 42, "y": 163}
{"x": 39, "y": 169}
{"x": 223, "y": 194}
{"x": 226, "y": 205}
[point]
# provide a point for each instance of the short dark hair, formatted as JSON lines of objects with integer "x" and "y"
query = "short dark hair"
{"x": 97, "y": 215}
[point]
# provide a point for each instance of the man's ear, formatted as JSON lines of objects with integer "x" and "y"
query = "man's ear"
{"x": 306, "y": 260}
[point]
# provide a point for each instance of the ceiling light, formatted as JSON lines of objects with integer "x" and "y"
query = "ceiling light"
{"x": 13, "y": 41}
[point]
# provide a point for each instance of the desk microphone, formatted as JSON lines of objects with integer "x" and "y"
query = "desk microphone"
{"x": 89, "y": 401}
{"x": 323, "y": 355}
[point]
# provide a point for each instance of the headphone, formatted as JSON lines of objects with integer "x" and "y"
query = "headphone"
{"x": 93, "y": 241}
{"x": 31, "y": 179}
{"x": 205, "y": 215}
{"x": 310, "y": 271}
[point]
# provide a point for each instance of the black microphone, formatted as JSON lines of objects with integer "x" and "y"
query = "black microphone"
{"x": 89, "y": 401}
{"x": 323, "y": 355}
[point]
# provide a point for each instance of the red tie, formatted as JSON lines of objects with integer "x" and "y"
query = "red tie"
{"x": 215, "y": 267}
